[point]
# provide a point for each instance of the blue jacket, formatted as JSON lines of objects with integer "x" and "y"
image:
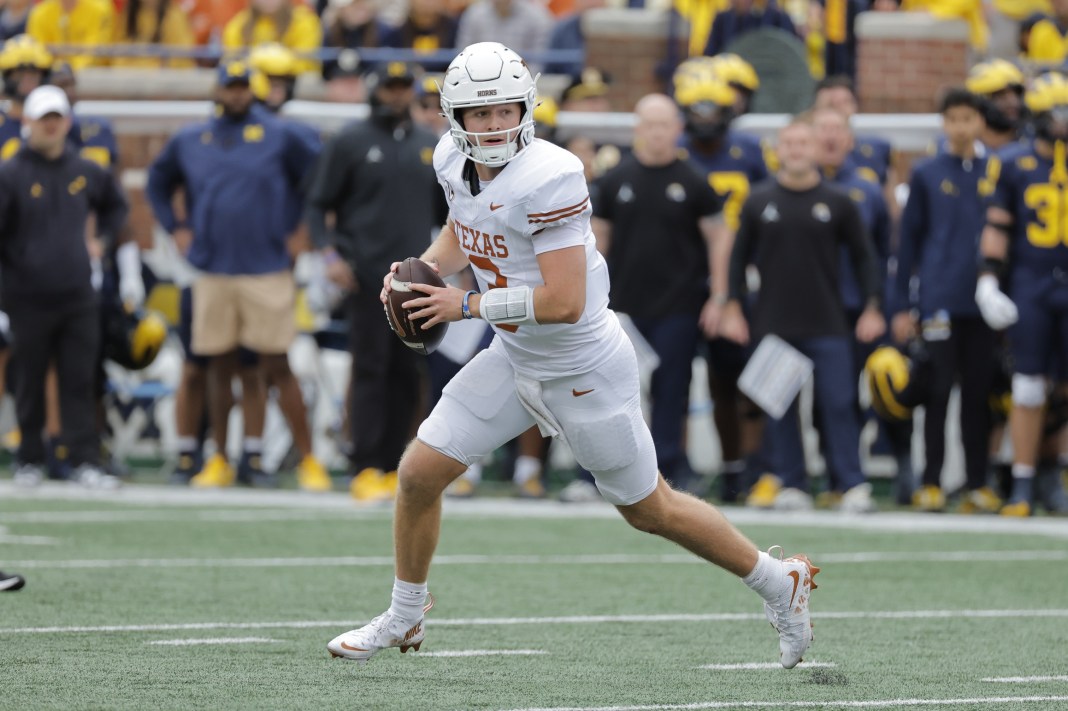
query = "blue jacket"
{"x": 871, "y": 158}
{"x": 242, "y": 180}
{"x": 868, "y": 197}
{"x": 95, "y": 140}
{"x": 939, "y": 240}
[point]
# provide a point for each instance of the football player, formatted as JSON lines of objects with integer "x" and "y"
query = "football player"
{"x": 520, "y": 217}
{"x": 733, "y": 162}
{"x": 1024, "y": 245}
{"x": 1000, "y": 86}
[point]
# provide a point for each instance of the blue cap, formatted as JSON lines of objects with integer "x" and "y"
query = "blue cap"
{"x": 234, "y": 71}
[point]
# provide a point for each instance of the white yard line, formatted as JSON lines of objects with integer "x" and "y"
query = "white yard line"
{"x": 7, "y": 539}
{"x": 760, "y": 666}
{"x": 484, "y": 653}
{"x": 503, "y": 508}
{"x": 571, "y": 620}
{"x": 843, "y": 704}
{"x": 1024, "y": 679}
{"x": 210, "y": 640}
{"x": 528, "y": 560}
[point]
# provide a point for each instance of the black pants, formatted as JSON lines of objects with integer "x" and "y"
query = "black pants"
{"x": 68, "y": 334}
{"x": 386, "y": 386}
{"x": 963, "y": 357}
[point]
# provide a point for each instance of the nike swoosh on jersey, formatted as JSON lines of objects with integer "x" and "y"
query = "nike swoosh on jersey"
{"x": 580, "y": 393}
{"x": 494, "y": 208}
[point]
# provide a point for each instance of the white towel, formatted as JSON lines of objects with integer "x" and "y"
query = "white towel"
{"x": 529, "y": 392}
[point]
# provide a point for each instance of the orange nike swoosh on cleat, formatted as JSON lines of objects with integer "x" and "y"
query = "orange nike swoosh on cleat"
{"x": 797, "y": 578}
{"x": 353, "y": 649}
{"x": 494, "y": 208}
{"x": 580, "y": 393}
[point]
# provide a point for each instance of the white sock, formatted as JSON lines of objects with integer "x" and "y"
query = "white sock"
{"x": 408, "y": 600}
{"x": 526, "y": 468}
{"x": 473, "y": 473}
{"x": 187, "y": 444}
{"x": 1023, "y": 471}
{"x": 253, "y": 445}
{"x": 766, "y": 578}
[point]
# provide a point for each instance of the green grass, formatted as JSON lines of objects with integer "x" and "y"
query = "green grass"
{"x": 587, "y": 664}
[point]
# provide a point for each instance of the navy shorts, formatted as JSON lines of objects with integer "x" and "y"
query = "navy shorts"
{"x": 1039, "y": 340}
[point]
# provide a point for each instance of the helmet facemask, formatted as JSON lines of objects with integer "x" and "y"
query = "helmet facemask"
{"x": 489, "y": 74}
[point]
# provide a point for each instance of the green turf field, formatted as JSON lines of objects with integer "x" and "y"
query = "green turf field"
{"x": 176, "y": 600}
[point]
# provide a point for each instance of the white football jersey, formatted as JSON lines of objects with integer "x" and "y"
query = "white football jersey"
{"x": 505, "y": 227}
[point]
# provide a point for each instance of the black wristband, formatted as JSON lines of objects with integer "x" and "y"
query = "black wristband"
{"x": 991, "y": 265}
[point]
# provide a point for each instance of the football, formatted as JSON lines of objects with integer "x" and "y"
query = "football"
{"x": 410, "y": 331}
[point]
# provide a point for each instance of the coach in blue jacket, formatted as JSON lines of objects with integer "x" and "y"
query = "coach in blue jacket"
{"x": 242, "y": 172}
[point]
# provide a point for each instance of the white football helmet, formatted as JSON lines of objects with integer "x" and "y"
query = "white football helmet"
{"x": 484, "y": 74}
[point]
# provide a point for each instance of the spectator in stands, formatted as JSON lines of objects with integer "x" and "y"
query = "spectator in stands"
{"x": 13, "y": 18}
{"x": 1046, "y": 44}
{"x": 521, "y": 25}
{"x": 293, "y": 25}
{"x": 160, "y": 23}
{"x": 376, "y": 177}
{"x": 588, "y": 92}
{"x": 427, "y": 28}
{"x": 208, "y": 18}
{"x": 839, "y": 22}
{"x": 971, "y": 11}
{"x": 791, "y": 229}
{"x": 242, "y": 172}
{"x": 350, "y": 25}
{"x": 88, "y": 23}
{"x": 744, "y": 16}
{"x": 657, "y": 222}
{"x": 567, "y": 35}
{"x": 47, "y": 193}
{"x": 940, "y": 228}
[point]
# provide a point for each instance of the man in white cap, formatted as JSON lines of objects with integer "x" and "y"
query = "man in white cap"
{"x": 47, "y": 192}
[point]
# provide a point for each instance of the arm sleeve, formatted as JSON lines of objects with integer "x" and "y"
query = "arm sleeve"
{"x": 164, "y": 177}
{"x": 913, "y": 229}
{"x": 110, "y": 206}
{"x": 327, "y": 182}
{"x": 744, "y": 244}
{"x": 561, "y": 199}
{"x": 997, "y": 186}
{"x": 861, "y": 252}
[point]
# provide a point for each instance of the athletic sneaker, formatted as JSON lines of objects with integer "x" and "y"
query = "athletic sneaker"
{"x": 764, "y": 492}
{"x": 929, "y": 498}
{"x": 382, "y": 632}
{"x": 312, "y": 475}
{"x": 10, "y": 582}
{"x": 980, "y": 501}
{"x": 93, "y": 477}
{"x": 217, "y": 473}
{"x": 28, "y": 475}
{"x": 789, "y": 614}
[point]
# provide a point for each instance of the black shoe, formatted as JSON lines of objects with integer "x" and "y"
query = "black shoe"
{"x": 1049, "y": 490}
{"x": 10, "y": 582}
{"x": 250, "y": 473}
{"x": 186, "y": 469}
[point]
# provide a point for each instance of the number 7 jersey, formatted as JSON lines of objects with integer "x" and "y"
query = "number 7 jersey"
{"x": 1034, "y": 190}
{"x": 538, "y": 203}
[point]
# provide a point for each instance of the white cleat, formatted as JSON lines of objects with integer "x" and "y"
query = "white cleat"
{"x": 382, "y": 632}
{"x": 789, "y": 615}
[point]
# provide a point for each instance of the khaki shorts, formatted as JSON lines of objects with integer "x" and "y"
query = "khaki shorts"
{"x": 254, "y": 311}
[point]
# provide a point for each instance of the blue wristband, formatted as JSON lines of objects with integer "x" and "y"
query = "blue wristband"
{"x": 465, "y": 309}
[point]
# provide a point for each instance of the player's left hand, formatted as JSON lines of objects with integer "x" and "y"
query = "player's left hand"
{"x": 870, "y": 326}
{"x": 441, "y": 304}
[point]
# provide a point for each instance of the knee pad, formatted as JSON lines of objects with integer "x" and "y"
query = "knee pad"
{"x": 1028, "y": 390}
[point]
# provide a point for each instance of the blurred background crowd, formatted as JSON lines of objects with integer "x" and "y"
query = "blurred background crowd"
{"x": 282, "y": 202}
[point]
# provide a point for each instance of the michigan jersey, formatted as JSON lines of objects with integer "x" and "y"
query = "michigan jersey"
{"x": 537, "y": 204}
{"x": 871, "y": 158}
{"x": 731, "y": 171}
{"x": 10, "y": 136}
{"x": 1034, "y": 189}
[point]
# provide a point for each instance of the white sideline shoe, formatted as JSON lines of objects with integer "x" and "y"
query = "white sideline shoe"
{"x": 789, "y": 614}
{"x": 382, "y": 632}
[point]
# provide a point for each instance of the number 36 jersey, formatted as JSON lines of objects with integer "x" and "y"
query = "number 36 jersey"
{"x": 1034, "y": 190}
{"x": 538, "y": 203}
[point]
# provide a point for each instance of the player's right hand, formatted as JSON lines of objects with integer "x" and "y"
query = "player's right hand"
{"x": 387, "y": 282}
{"x": 996, "y": 308}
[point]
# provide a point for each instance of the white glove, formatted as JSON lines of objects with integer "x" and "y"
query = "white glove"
{"x": 997, "y": 309}
{"x": 131, "y": 287}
